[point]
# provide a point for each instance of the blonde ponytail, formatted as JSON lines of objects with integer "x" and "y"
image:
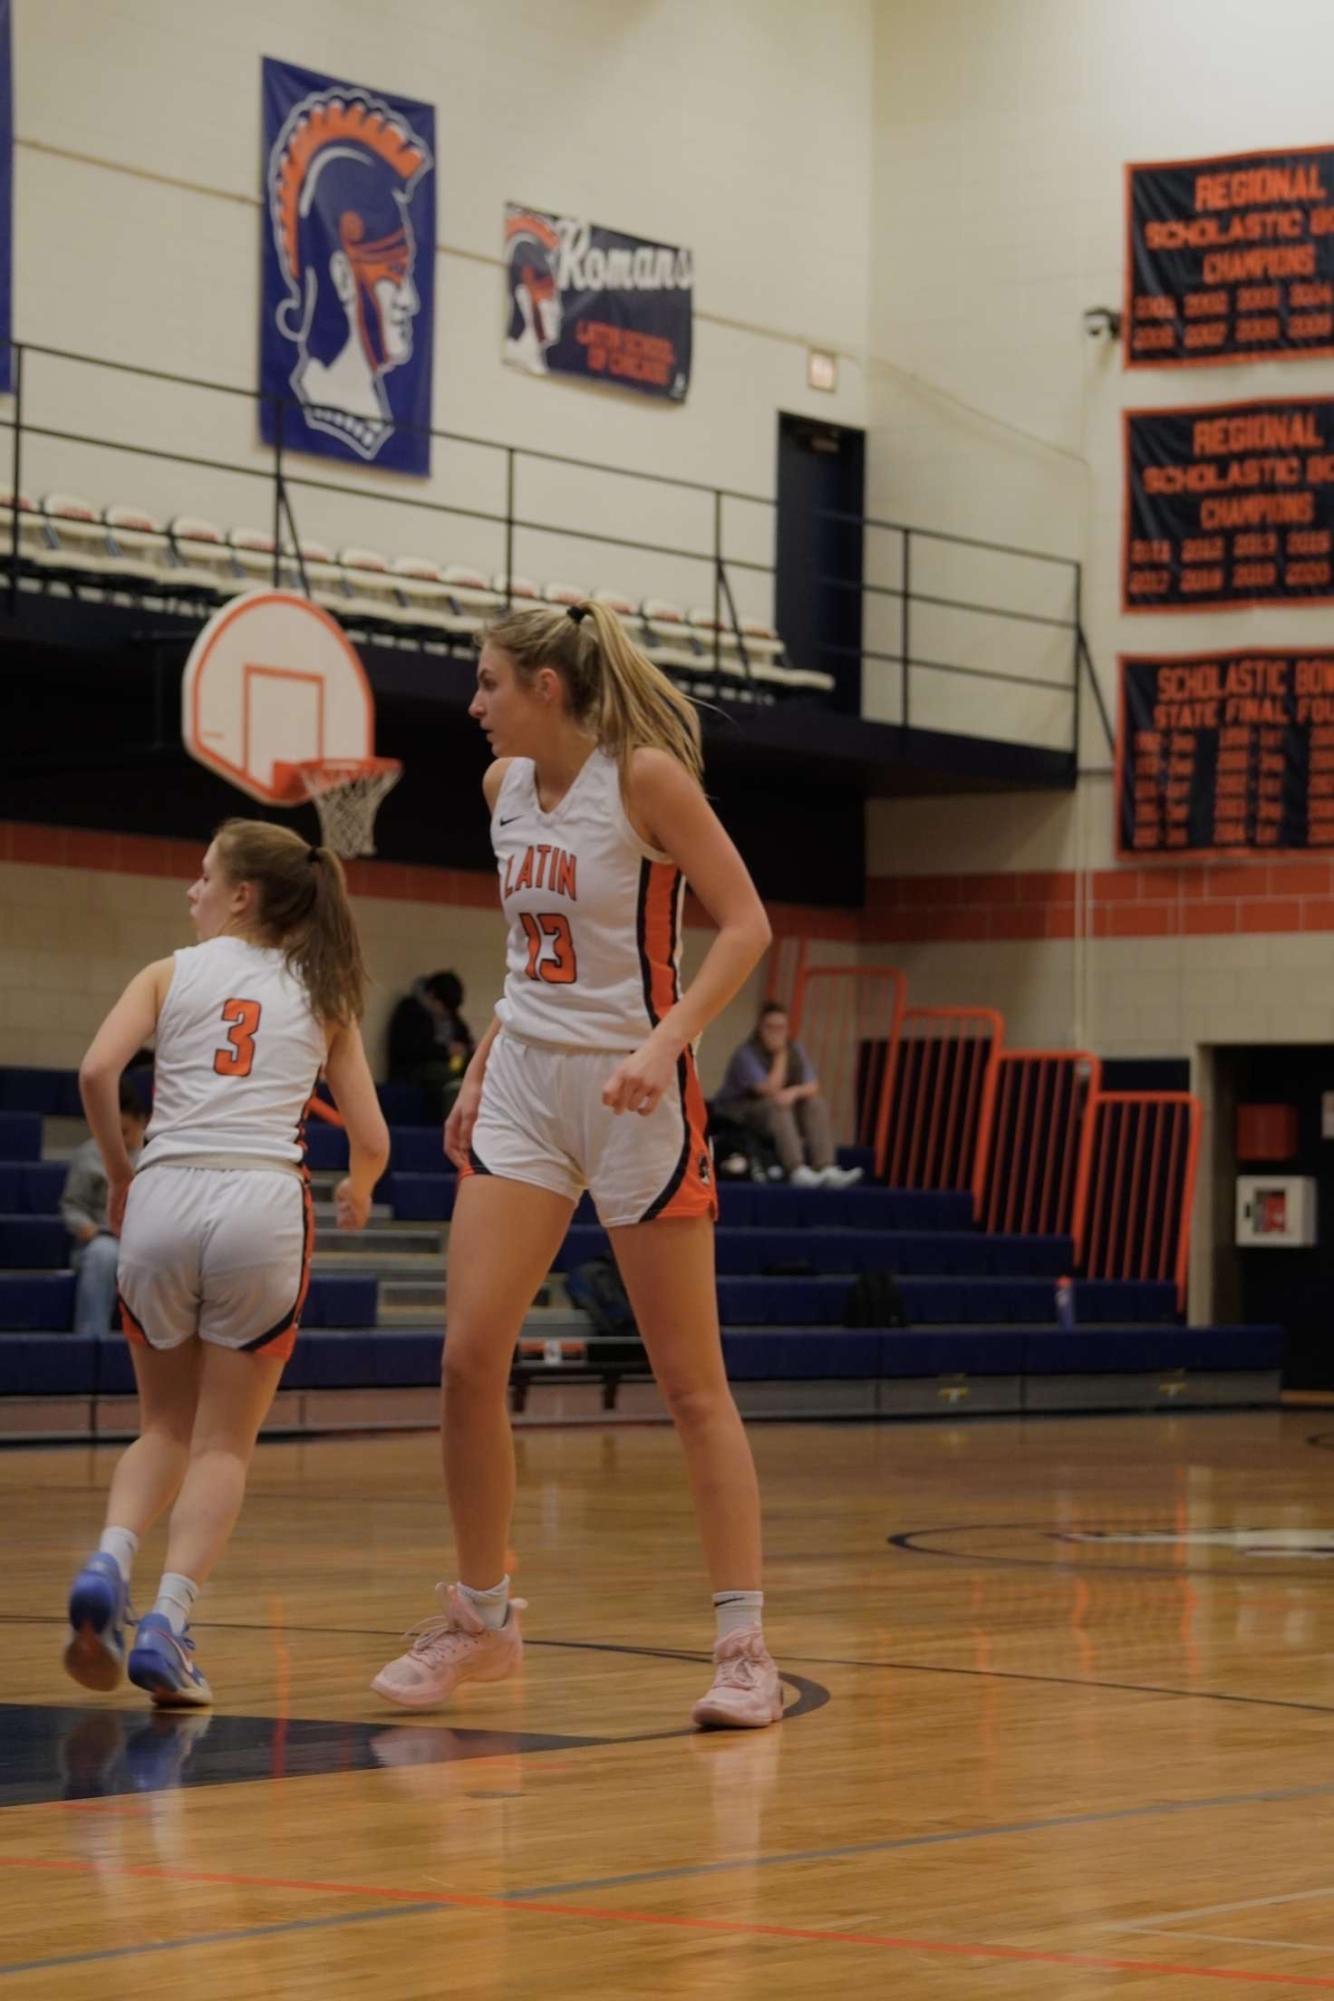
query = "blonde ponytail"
{"x": 614, "y": 689}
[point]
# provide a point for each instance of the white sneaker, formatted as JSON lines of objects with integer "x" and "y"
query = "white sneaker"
{"x": 805, "y": 1177}
{"x": 840, "y": 1177}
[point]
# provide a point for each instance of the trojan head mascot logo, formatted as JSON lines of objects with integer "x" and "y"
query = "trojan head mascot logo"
{"x": 341, "y": 177}
{"x": 531, "y": 256}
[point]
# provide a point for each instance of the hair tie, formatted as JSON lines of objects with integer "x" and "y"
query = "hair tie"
{"x": 312, "y": 855}
{"x": 578, "y": 612}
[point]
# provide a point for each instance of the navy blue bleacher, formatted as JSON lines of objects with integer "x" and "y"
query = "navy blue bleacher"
{"x": 965, "y": 1252}
{"x": 44, "y": 1300}
{"x": 31, "y": 1187}
{"x": 33, "y": 1243}
{"x": 51, "y": 1094}
{"x": 20, "y": 1136}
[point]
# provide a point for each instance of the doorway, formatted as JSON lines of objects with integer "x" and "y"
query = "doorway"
{"x": 818, "y": 595}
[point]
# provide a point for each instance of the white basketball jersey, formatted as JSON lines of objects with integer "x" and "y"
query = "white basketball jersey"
{"x": 238, "y": 1052}
{"x": 594, "y": 915}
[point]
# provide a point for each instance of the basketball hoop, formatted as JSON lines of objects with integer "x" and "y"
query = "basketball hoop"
{"x": 346, "y": 793}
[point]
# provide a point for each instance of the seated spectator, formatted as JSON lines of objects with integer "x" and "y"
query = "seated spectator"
{"x": 83, "y": 1206}
{"x": 771, "y": 1088}
{"x": 430, "y": 1044}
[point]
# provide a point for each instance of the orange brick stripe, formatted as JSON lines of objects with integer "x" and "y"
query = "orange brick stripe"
{"x": 1163, "y": 902}
{"x": 475, "y": 889}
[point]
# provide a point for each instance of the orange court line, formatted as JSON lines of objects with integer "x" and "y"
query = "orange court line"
{"x": 885, "y": 1941}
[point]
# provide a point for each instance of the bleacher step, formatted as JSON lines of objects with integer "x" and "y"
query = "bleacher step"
{"x": 393, "y": 1241}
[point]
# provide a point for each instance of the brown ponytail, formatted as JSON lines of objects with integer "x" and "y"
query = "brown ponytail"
{"x": 614, "y": 689}
{"x": 303, "y": 909}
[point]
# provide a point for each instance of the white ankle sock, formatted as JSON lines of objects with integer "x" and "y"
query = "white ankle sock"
{"x": 123, "y": 1544}
{"x": 492, "y": 1607}
{"x": 175, "y": 1599}
{"x": 735, "y": 1609}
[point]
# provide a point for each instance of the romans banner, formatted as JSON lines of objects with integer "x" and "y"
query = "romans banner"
{"x": 587, "y": 301}
{"x": 1230, "y": 259}
{"x": 348, "y": 278}
{"x": 1225, "y": 753}
{"x": 1229, "y": 505}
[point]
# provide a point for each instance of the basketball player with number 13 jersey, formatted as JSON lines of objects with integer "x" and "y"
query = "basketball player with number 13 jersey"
{"x": 586, "y": 1080}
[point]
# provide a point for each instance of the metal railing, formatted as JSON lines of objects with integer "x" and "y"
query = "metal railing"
{"x": 271, "y": 467}
{"x": 722, "y": 548}
{"x": 904, "y": 556}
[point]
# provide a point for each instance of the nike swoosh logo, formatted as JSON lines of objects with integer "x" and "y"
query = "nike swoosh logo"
{"x": 513, "y": 816}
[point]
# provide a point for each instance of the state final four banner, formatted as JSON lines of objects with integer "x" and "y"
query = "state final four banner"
{"x": 587, "y": 301}
{"x": 1226, "y": 753}
{"x": 346, "y": 316}
{"x": 1230, "y": 259}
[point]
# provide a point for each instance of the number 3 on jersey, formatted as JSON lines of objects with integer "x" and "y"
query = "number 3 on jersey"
{"x": 558, "y": 968}
{"x": 238, "y": 1060}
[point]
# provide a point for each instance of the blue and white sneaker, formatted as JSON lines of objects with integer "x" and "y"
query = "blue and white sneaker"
{"x": 99, "y": 1605}
{"x": 161, "y": 1663}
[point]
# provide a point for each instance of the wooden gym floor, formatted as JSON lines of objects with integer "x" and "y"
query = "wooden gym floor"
{"x": 1061, "y": 1724}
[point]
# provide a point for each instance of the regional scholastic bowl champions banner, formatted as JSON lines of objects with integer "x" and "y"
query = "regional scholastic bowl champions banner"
{"x": 1226, "y": 753}
{"x": 348, "y": 269}
{"x": 588, "y": 301}
{"x": 1229, "y": 505}
{"x": 1230, "y": 259}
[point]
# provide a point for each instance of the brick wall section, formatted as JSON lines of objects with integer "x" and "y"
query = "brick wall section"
{"x": 1231, "y": 899}
{"x": 1209, "y": 901}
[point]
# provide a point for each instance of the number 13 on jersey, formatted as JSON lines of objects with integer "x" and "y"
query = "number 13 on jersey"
{"x": 550, "y": 949}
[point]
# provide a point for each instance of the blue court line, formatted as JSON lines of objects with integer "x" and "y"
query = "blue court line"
{"x": 218, "y": 1938}
{"x": 946, "y": 1839}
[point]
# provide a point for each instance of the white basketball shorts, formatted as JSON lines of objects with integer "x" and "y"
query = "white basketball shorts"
{"x": 222, "y": 1253}
{"x": 542, "y": 1120}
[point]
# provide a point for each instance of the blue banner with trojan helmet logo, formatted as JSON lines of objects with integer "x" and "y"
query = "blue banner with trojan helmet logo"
{"x": 588, "y": 301}
{"x": 346, "y": 319}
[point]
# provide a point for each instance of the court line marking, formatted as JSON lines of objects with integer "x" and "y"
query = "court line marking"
{"x": 947, "y": 1838}
{"x": 906, "y": 1540}
{"x": 212, "y": 1938}
{"x": 1067, "y": 1681}
{"x": 1229, "y": 1938}
{"x": 416, "y": 1902}
{"x": 1221, "y": 1910}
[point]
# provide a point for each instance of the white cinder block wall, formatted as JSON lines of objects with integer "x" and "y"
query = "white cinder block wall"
{"x": 741, "y": 131}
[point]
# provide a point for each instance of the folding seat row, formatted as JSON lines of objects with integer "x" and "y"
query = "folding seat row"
{"x": 126, "y": 548}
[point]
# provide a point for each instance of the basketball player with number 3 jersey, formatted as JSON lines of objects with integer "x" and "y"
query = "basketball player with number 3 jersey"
{"x": 215, "y": 1222}
{"x": 586, "y": 1080}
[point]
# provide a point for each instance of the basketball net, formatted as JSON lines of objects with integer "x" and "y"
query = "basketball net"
{"x": 346, "y": 793}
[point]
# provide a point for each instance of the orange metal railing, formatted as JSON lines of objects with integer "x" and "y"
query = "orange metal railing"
{"x": 942, "y": 1075}
{"x": 1135, "y": 1188}
{"x": 1031, "y": 1132}
{"x": 848, "y": 1020}
{"x": 787, "y": 962}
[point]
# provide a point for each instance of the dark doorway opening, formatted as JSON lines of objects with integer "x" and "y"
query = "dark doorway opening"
{"x": 821, "y": 474}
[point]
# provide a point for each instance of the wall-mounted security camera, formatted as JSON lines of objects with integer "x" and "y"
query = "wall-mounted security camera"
{"x": 1102, "y": 322}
